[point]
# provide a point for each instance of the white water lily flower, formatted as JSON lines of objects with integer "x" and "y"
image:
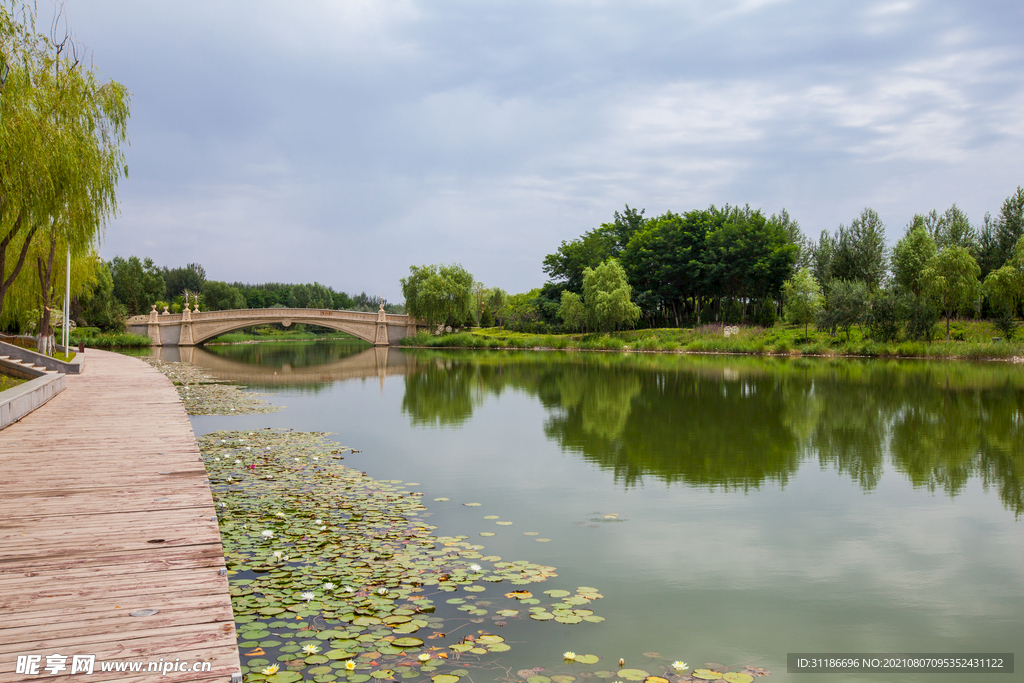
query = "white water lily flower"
{"x": 270, "y": 670}
{"x": 223, "y": 505}
{"x": 278, "y": 554}
{"x": 267, "y": 533}
{"x": 311, "y": 649}
{"x": 424, "y": 657}
{"x": 323, "y": 528}
{"x": 569, "y": 655}
{"x": 329, "y": 586}
{"x": 382, "y": 591}
{"x": 280, "y": 514}
{"x": 318, "y": 521}
{"x": 248, "y": 448}
{"x": 475, "y": 567}
{"x": 350, "y": 589}
{"x": 308, "y": 595}
{"x": 680, "y": 665}
{"x": 316, "y": 457}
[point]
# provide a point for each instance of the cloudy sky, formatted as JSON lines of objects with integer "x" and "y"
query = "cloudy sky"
{"x": 343, "y": 141}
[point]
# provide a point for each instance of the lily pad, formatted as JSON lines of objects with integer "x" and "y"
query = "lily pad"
{"x": 284, "y": 677}
{"x": 563, "y": 678}
{"x": 537, "y": 678}
{"x": 737, "y": 677}
{"x": 587, "y": 659}
{"x": 706, "y": 674}
{"x": 407, "y": 642}
{"x": 633, "y": 674}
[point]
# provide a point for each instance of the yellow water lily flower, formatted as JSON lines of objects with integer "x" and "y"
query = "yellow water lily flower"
{"x": 350, "y": 665}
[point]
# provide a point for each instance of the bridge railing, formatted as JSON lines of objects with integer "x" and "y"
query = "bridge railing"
{"x": 274, "y": 313}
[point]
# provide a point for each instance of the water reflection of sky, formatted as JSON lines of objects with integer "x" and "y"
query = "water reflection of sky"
{"x": 833, "y": 551}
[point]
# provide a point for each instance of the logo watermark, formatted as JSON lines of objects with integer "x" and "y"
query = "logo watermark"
{"x": 58, "y": 664}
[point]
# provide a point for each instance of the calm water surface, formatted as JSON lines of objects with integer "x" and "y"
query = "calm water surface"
{"x": 729, "y": 509}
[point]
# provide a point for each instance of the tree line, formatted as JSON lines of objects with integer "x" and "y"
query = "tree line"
{"x": 740, "y": 265}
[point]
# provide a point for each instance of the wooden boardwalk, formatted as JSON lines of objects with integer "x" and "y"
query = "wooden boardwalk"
{"x": 105, "y": 509}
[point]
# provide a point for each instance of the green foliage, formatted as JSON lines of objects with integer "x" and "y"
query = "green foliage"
{"x": 220, "y": 296}
{"x": 952, "y": 277}
{"x": 846, "y": 305}
{"x": 802, "y": 296}
{"x": 921, "y": 314}
{"x": 60, "y": 156}
{"x": 177, "y": 281}
{"x": 910, "y": 256}
{"x": 439, "y": 294}
{"x": 860, "y": 252}
{"x": 572, "y": 311}
{"x": 767, "y": 316}
{"x": 606, "y": 296}
{"x": 884, "y": 318}
{"x": 99, "y": 307}
{"x": 138, "y": 284}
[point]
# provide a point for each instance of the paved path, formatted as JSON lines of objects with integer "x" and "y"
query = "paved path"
{"x": 104, "y": 510}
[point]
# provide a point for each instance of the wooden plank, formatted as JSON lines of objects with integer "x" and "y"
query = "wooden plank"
{"x": 85, "y": 483}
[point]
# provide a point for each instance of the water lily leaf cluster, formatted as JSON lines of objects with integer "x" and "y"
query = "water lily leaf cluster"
{"x": 203, "y": 394}
{"x": 337, "y": 576}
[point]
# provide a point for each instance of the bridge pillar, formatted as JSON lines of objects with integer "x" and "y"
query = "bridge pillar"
{"x": 186, "y": 328}
{"x": 153, "y": 328}
{"x": 381, "y": 337}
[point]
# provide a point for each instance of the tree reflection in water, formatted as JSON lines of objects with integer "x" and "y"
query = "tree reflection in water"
{"x": 736, "y": 423}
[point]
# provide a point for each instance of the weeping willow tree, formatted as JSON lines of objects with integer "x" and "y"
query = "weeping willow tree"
{"x": 61, "y": 137}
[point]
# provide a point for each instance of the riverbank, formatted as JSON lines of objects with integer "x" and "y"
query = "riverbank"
{"x": 970, "y": 340}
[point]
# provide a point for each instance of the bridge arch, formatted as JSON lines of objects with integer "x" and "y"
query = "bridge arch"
{"x": 215, "y": 330}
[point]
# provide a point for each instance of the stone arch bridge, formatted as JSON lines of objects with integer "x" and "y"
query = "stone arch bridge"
{"x": 189, "y": 328}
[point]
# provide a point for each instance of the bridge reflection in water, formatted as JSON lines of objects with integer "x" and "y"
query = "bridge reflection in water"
{"x": 378, "y": 361}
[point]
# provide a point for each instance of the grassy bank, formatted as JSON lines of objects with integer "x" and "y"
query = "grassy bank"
{"x": 91, "y": 336}
{"x": 271, "y": 333}
{"x": 8, "y": 382}
{"x": 969, "y": 340}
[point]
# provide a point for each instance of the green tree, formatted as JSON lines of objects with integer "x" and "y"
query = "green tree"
{"x": 319, "y": 296}
{"x": 98, "y": 307}
{"x": 860, "y": 252}
{"x": 953, "y": 229}
{"x": 665, "y": 262}
{"x": 846, "y": 305}
{"x": 910, "y": 256}
{"x": 439, "y": 294}
{"x": 952, "y": 277}
{"x": 572, "y": 311}
{"x": 60, "y": 155}
{"x": 802, "y": 296}
{"x": 606, "y": 295}
{"x": 220, "y": 296}
{"x": 177, "y": 281}
{"x": 1004, "y": 288}
{"x": 138, "y": 284}
{"x": 821, "y": 258}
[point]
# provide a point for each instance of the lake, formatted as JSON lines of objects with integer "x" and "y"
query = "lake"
{"x": 729, "y": 509}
